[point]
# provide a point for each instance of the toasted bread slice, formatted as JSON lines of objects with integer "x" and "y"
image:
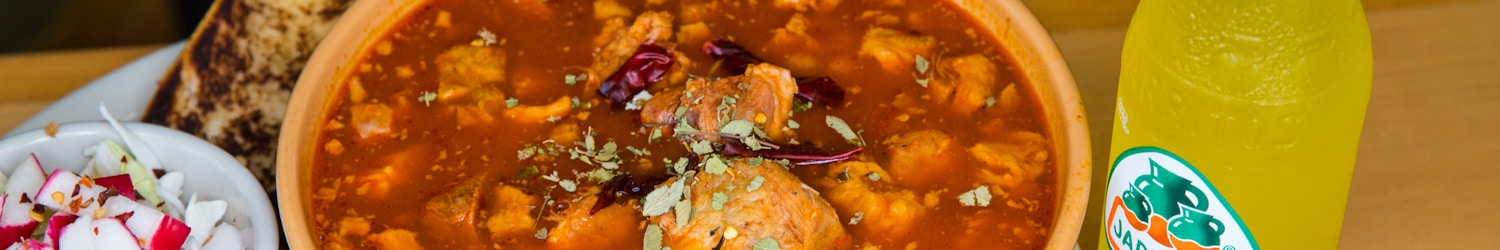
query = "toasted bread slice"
{"x": 233, "y": 80}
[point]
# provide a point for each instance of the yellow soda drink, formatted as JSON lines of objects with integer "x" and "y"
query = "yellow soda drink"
{"x": 1236, "y": 124}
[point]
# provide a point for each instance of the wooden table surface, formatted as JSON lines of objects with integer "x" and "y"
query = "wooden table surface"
{"x": 1422, "y": 179}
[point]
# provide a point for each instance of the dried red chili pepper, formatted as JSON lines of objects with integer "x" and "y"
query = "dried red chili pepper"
{"x": 649, "y": 64}
{"x": 736, "y": 59}
{"x": 798, "y": 154}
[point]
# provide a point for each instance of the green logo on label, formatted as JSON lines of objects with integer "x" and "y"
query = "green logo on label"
{"x": 1156, "y": 200}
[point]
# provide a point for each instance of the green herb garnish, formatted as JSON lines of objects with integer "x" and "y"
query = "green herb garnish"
{"x": 427, "y": 98}
{"x": 714, "y": 165}
{"x": 684, "y": 211}
{"x": 739, "y": 128}
{"x": 922, "y": 64}
{"x": 662, "y": 199}
{"x": 766, "y": 243}
{"x": 719, "y": 199}
{"x": 528, "y": 172}
{"x": 653, "y": 237}
{"x": 755, "y": 184}
{"x": 844, "y": 130}
{"x": 978, "y": 197}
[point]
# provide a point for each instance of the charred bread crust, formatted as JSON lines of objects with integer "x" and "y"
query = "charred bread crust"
{"x": 232, "y": 82}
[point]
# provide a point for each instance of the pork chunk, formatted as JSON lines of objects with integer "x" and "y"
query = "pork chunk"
{"x": 649, "y": 27}
{"x": 965, "y": 83}
{"x": 885, "y": 209}
{"x": 510, "y": 214}
{"x": 1012, "y": 162}
{"x": 395, "y": 239}
{"x": 781, "y": 208}
{"x": 921, "y": 158}
{"x": 607, "y": 229}
{"x": 762, "y": 95}
{"x": 464, "y": 69}
{"x": 895, "y": 51}
{"x": 806, "y": 5}
{"x": 457, "y": 206}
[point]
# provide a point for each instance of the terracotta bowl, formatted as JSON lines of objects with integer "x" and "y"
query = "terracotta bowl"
{"x": 1018, "y": 31}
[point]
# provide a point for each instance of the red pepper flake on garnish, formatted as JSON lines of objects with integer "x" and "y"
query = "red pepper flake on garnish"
{"x": 87, "y": 182}
{"x": 125, "y": 216}
{"x": 737, "y": 59}
{"x": 649, "y": 65}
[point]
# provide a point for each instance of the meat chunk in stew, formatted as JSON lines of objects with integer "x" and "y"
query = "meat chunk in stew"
{"x": 921, "y": 158}
{"x": 578, "y": 229}
{"x": 463, "y": 69}
{"x": 781, "y": 207}
{"x": 762, "y": 95}
{"x": 965, "y": 83}
{"x": 395, "y": 239}
{"x": 510, "y": 214}
{"x": 895, "y": 51}
{"x": 649, "y": 27}
{"x": 1012, "y": 162}
{"x": 883, "y": 208}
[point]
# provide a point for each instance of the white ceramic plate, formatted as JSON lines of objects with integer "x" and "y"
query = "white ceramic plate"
{"x": 210, "y": 172}
{"x": 126, "y": 91}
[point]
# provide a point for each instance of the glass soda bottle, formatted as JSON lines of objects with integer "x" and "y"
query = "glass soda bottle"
{"x": 1236, "y": 124}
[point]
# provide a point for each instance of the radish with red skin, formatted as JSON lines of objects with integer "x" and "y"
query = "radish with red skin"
{"x": 120, "y": 183}
{"x": 110, "y": 233}
{"x": 76, "y": 235}
{"x": 29, "y": 244}
{"x": 89, "y": 233}
{"x": 56, "y": 224}
{"x": 15, "y": 216}
{"x": 68, "y": 192}
{"x": 155, "y": 229}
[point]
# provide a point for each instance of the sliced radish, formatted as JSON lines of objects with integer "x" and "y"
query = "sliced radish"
{"x": 29, "y": 244}
{"x": 154, "y": 229}
{"x": 77, "y": 235}
{"x": 110, "y": 233}
{"x": 55, "y": 226}
{"x": 67, "y": 192}
{"x": 16, "y": 221}
{"x": 120, "y": 183}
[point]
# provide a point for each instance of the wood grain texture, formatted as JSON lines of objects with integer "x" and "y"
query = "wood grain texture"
{"x": 1425, "y": 177}
{"x": 31, "y": 81}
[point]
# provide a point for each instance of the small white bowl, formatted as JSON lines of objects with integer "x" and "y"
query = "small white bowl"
{"x": 210, "y": 172}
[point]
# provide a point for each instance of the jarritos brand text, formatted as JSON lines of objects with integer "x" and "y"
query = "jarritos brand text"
{"x": 1157, "y": 200}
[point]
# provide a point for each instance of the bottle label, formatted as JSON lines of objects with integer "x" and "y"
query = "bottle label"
{"x": 1156, "y": 200}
